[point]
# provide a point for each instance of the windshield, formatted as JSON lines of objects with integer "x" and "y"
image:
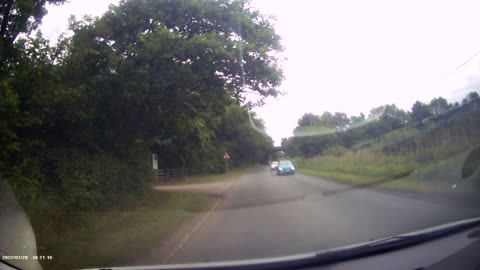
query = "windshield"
{"x": 285, "y": 162}
{"x": 154, "y": 131}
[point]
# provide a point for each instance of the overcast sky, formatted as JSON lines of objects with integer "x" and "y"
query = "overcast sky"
{"x": 350, "y": 56}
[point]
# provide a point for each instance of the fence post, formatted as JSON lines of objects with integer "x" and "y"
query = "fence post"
{"x": 172, "y": 174}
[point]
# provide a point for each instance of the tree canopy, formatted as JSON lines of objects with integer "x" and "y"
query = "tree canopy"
{"x": 151, "y": 75}
{"x": 16, "y": 17}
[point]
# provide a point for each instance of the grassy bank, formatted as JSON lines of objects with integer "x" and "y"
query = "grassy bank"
{"x": 115, "y": 237}
{"x": 357, "y": 169}
{"x": 394, "y": 172}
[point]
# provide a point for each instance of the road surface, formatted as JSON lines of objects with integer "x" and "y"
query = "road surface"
{"x": 264, "y": 215}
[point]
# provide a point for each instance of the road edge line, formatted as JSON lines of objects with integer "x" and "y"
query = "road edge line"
{"x": 187, "y": 237}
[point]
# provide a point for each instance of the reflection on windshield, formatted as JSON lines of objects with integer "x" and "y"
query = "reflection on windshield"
{"x": 156, "y": 132}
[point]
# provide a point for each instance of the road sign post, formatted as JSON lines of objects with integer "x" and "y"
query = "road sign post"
{"x": 226, "y": 157}
{"x": 155, "y": 161}
{"x": 155, "y": 165}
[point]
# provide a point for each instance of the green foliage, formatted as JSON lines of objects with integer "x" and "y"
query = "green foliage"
{"x": 309, "y": 119}
{"x": 81, "y": 118}
{"x": 420, "y": 111}
{"x": 360, "y": 168}
{"x": 311, "y": 130}
{"x": 396, "y": 172}
{"x": 237, "y": 134}
{"x": 335, "y": 150}
{"x": 327, "y": 119}
{"x": 470, "y": 96}
{"x": 18, "y": 16}
{"x": 439, "y": 105}
{"x": 95, "y": 181}
{"x": 443, "y": 151}
{"x": 172, "y": 73}
{"x": 394, "y": 131}
{"x": 310, "y": 145}
{"x": 314, "y": 145}
{"x": 357, "y": 120}
{"x": 337, "y": 129}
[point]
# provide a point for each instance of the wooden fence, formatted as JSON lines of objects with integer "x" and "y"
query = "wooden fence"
{"x": 172, "y": 174}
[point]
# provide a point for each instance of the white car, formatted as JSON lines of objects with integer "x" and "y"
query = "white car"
{"x": 274, "y": 165}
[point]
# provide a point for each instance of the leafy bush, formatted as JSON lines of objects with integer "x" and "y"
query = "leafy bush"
{"x": 94, "y": 181}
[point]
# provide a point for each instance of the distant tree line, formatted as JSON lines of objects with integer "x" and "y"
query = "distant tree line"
{"x": 359, "y": 132}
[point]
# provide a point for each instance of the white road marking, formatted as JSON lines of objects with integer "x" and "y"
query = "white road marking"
{"x": 187, "y": 237}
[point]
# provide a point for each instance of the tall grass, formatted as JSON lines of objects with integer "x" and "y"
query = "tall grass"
{"x": 364, "y": 166}
{"x": 356, "y": 167}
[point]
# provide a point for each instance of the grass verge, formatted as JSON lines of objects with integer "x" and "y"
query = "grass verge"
{"x": 442, "y": 177}
{"x": 354, "y": 169}
{"x": 393, "y": 183}
{"x": 115, "y": 237}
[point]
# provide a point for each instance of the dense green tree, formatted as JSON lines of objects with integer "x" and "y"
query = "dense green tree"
{"x": 388, "y": 109}
{"x": 240, "y": 134}
{"x": 376, "y": 113}
{"x": 232, "y": 41}
{"x": 16, "y": 17}
{"x": 309, "y": 119}
{"x": 357, "y": 120}
{"x": 420, "y": 111}
{"x": 340, "y": 120}
{"x": 327, "y": 119}
{"x": 470, "y": 96}
{"x": 145, "y": 54}
{"x": 439, "y": 105}
{"x": 162, "y": 76}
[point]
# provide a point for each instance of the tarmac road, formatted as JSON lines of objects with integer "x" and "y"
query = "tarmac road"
{"x": 264, "y": 215}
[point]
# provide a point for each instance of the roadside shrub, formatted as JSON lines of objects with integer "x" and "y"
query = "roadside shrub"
{"x": 96, "y": 181}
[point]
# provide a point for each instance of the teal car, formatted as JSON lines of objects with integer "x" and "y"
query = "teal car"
{"x": 285, "y": 167}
